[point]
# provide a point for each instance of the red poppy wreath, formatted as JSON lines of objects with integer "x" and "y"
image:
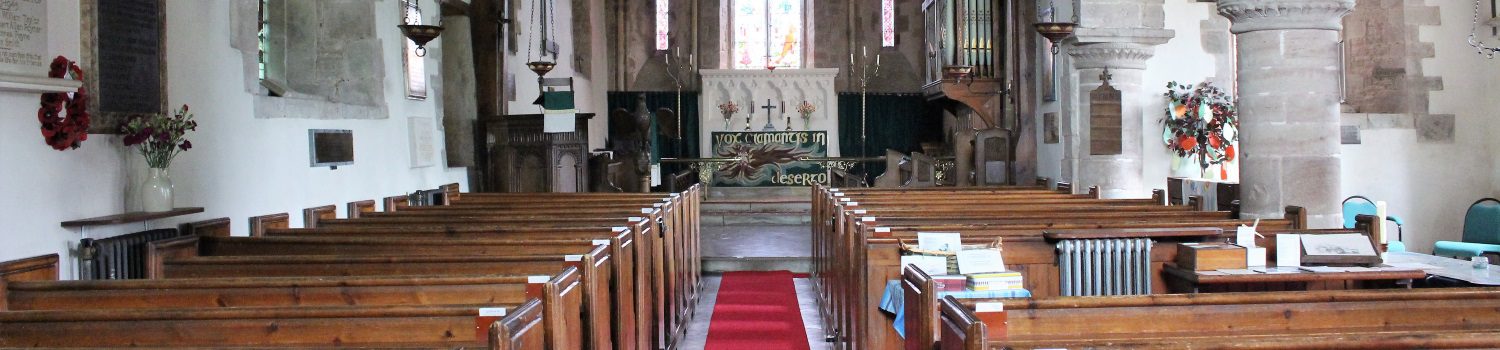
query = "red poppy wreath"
{"x": 64, "y": 133}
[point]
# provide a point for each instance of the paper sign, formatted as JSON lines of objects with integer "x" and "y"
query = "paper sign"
{"x": 853, "y": 204}
{"x": 601, "y": 242}
{"x": 980, "y": 261}
{"x": 845, "y": 199}
{"x": 882, "y": 230}
{"x": 655, "y": 174}
{"x": 867, "y": 219}
{"x": 1347, "y": 244}
{"x": 932, "y": 265}
{"x": 861, "y": 212}
{"x": 492, "y": 312}
{"x": 572, "y": 258}
{"x": 538, "y": 279}
{"x": 1288, "y": 250}
{"x": 989, "y": 307}
{"x": 1255, "y": 256}
{"x": 941, "y": 241}
{"x": 1244, "y": 236}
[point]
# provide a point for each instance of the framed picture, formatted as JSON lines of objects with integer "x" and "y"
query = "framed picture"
{"x": 124, "y": 45}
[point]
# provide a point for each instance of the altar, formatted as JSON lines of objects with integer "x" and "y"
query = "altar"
{"x": 765, "y": 131}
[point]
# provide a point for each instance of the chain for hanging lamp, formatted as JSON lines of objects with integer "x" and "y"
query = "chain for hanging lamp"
{"x": 418, "y": 33}
{"x": 1480, "y": 47}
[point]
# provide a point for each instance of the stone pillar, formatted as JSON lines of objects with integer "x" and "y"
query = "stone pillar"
{"x": 1289, "y": 105}
{"x": 1118, "y": 176}
{"x": 1119, "y": 35}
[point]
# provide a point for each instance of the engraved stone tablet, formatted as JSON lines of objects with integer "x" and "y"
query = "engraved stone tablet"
{"x": 23, "y": 38}
{"x": 1104, "y": 119}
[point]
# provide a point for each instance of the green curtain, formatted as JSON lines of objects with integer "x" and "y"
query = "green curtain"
{"x": 900, "y": 122}
{"x": 687, "y": 147}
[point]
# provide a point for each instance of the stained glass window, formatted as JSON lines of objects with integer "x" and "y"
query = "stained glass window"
{"x": 888, "y": 23}
{"x": 767, "y": 33}
{"x": 663, "y": 24}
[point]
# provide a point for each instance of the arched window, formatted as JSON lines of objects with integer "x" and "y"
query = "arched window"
{"x": 767, "y": 33}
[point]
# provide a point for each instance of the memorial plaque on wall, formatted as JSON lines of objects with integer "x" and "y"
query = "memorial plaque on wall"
{"x": 1104, "y": 119}
{"x": 23, "y": 38}
{"x": 124, "y": 46}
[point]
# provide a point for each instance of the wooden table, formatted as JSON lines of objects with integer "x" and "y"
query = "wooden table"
{"x": 1181, "y": 280}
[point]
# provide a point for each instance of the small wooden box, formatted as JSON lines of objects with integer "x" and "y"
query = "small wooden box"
{"x": 1210, "y": 256}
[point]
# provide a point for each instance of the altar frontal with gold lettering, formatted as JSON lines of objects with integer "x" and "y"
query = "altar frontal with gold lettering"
{"x": 770, "y": 158}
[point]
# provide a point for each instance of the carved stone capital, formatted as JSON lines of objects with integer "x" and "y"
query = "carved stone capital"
{"x": 1111, "y": 55}
{"x": 1257, "y": 15}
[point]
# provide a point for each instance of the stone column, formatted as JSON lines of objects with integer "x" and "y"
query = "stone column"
{"x": 1118, "y": 176}
{"x": 1289, "y": 105}
{"x": 1120, "y": 35}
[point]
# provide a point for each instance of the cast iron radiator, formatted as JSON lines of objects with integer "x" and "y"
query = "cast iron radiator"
{"x": 118, "y": 257}
{"x": 1116, "y": 266}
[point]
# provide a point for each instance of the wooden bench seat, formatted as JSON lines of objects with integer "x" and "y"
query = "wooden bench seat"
{"x": 426, "y": 326}
{"x": 1428, "y": 318}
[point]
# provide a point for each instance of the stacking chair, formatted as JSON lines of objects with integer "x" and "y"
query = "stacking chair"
{"x": 1359, "y": 205}
{"x": 1481, "y": 233}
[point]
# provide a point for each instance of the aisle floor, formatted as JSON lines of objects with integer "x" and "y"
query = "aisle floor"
{"x": 806, "y": 300}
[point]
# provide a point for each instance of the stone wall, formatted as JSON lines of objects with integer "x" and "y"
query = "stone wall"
{"x": 325, "y": 51}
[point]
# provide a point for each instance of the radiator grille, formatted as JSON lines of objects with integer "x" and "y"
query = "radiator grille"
{"x": 119, "y": 257}
{"x": 1120, "y": 266}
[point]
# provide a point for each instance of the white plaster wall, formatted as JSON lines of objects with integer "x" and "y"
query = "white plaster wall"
{"x": 1183, "y": 60}
{"x": 590, "y": 95}
{"x": 1430, "y": 185}
{"x": 240, "y": 166}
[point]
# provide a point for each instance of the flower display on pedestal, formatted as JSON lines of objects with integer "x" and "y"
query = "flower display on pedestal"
{"x": 1202, "y": 124}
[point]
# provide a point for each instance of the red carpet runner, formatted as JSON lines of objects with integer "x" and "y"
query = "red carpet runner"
{"x": 756, "y": 310}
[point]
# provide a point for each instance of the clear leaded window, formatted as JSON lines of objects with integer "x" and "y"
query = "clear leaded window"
{"x": 262, "y": 37}
{"x": 767, "y": 33}
{"x": 416, "y": 67}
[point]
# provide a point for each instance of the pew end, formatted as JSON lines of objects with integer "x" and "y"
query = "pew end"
{"x": 212, "y": 227}
{"x": 1197, "y": 203}
{"x": 521, "y": 328}
{"x": 358, "y": 208}
{"x": 1297, "y": 215}
{"x": 960, "y": 328}
{"x": 311, "y": 216}
{"x": 259, "y": 224}
{"x": 38, "y": 268}
{"x": 1159, "y": 196}
{"x": 395, "y": 203}
{"x": 158, "y": 252}
{"x": 921, "y": 331}
{"x": 450, "y": 192}
{"x": 1095, "y": 193}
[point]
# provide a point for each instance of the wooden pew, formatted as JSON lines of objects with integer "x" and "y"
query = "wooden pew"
{"x": 595, "y": 267}
{"x": 1425, "y": 318}
{"x": 852, "y": 262}
{"x": 445, "y": 326}
{"x": 560, "y": 296}
{"x": 628, "y": 308}
{"x": 675, "y": 248}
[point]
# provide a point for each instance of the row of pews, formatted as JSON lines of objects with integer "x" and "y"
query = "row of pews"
{"x": 498, "y": 271}
{"x": 858, "y": 233}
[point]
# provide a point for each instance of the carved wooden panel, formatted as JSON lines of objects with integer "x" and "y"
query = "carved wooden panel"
{"x": 1104, "y": 120}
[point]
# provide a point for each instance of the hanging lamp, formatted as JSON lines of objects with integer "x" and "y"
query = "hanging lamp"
{"x": 418, "y": 33}
{"x": 538, "y": 63}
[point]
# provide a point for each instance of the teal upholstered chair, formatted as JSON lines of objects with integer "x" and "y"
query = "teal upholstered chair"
{"x": 1481, "y": 232}
{"x": 1355, "y": 206}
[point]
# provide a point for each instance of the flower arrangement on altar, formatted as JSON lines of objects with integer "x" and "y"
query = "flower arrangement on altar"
{"x": 1201, "y": 123}
{"x": 806, "y": 110}
{"x": 160, "y": 137}
{"x": 728, "y": 109}
{"x": 70, "y": 132}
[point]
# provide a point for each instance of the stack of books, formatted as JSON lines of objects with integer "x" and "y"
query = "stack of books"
{"x": 995, "y": 281}
{"x": 949, "y": 283}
